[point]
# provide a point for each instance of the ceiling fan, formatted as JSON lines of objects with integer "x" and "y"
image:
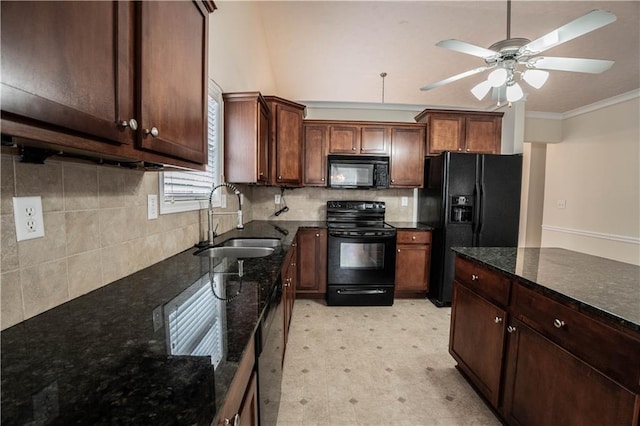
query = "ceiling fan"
{"x": 514, "y": 57}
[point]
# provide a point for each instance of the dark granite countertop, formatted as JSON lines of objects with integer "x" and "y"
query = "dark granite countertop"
{"x": 100, "y": 359}
{"x": 411, "y": 225}
{"x": 597, "y": 285}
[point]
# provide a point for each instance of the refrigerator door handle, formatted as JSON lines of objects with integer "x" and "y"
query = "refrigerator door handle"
{"x": 475, "y": 224}
{"x": 480, "y": 207}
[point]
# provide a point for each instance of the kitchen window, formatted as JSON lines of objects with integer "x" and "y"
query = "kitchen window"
{"x": 184, "y": 191}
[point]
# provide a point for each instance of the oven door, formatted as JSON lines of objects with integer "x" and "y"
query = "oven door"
{"x": 361, "y": 257}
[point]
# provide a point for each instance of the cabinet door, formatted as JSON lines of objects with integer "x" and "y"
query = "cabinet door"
{"x": 412, "y": 268}
{"x": 407, "y": 157}
{"x": 546, "y": 385}
{"x": 483, "y": 134}
{"x": 344, "y": 139}
{"x": 288, "y": 145}
{"x": 315, "y": 155}
{"x": 445, "y": 133}
{"x": 312, "y": 262}
{"x": 477, "y": 340}
{"x": 249, "y": 408}
{"x": 173, "y": 79}
{"x": 70, "y": 64}
{"x": 374, "y": 140}
{"x": 263, "y": 143}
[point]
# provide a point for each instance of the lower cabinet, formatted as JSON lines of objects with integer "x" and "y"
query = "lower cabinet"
{"x": 413, "y": 261}
{"x": 312, "y": 263}
{"x": 289, "y": 280}
{"x": 536, "y": 359}
{"x": 477, "y": 340}
{"x": 546, "y": 385}
{"x": 241, "y": 406}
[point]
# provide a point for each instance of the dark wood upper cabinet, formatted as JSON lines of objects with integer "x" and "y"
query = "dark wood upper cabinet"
{"x": 407, "y": 156}
{"x": 90, "y": 77}
{"x": 462, "y": 131}
{"x": 285, "y": 141}
{"x": 375, "y": 140}
{"x": 246, "y": 138}
{"x": 172, "y": 78}
{"x": 315, "y": 155}
{"x": 344, "y": 139}
{"x": 70, "y": 65}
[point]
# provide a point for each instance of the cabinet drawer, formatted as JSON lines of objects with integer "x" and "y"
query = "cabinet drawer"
{"x": 414, "y": 237}
{"x": 483, "y": 281}
{"x": 610, "y": 351}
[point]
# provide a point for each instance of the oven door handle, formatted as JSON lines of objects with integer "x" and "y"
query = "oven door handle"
{"x": 348, "y": 292}
{"x": 340, "y": 235}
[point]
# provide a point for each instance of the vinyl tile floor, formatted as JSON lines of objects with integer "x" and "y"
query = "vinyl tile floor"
{"x": 375, "y": 366}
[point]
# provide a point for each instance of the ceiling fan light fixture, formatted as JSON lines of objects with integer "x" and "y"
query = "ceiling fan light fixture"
{"x": 514, "y": 92}
{"x": 498, "y": 77}
{"x": 535, "y": 78}
{"x": 480, "y": 90}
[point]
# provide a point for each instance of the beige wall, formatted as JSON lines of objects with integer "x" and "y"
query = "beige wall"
{"x": 531, "y": 207}
{"x": 238, "y": 53}
{"x": 596, "y": 170}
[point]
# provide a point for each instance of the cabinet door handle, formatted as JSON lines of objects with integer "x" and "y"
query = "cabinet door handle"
{"x": 236, "y": 419}
{"x": 497, "y": 320}
{"x": 322, "y": 179}
{"x": 132, "y": 124}
{"x": 558, "y": 323}
{"x": 459, "y": 149}
{"x": 398, "y": 250}
{"x": 511, "y": 329}
{"x": 317, "y": 235}
{"x": 153, "y": 132}
{"x": 474, "y": 277}
{"x": 413, "y": 237}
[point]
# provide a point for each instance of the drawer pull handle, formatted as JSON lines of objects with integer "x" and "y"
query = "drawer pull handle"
{"x": 497, "y": 320}
{"x": 413, "y": 237}
{"x": 558, "y": 323}
{"x": 511, "y": 329}
{"x": 474, "y": 277}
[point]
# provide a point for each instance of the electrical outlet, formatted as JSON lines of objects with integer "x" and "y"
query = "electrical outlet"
{"x": 561, "y": 204}
{"x": 405, "y": 201}
{"x": 152, "y": 206}
{"x": 28, "y": 217}
{"x": 278, "y": 199}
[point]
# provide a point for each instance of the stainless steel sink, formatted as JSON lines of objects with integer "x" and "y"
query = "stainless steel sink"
{"x": 252, "y": 242}
{"x": 237, "y": 252}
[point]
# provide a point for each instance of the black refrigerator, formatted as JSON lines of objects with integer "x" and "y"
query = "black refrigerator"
{"x": 471, "y": 200}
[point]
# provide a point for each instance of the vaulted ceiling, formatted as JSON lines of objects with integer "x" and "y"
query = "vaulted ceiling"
{"x": 335, "y": 51}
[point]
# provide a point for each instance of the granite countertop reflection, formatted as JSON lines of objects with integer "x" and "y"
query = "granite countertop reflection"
{"x": 603, "y": 287}
{"x": 118, "y": 356}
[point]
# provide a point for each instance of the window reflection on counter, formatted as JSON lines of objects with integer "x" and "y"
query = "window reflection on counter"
{"x": 195, "y": 319}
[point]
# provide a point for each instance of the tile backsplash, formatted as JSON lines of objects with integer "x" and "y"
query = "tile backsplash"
{"x": 97, "y": 231}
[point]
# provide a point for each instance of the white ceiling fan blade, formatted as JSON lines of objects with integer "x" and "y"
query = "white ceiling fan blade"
{"x": 453, "y": 78}
{"x": 468, "y": 48}
{"x": 591, "y": 66}
{"x": 587, "y": 23}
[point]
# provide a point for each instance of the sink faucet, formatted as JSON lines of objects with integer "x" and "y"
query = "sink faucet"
{"x": 240, "y": 225}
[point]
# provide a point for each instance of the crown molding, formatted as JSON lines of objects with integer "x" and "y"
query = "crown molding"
{"x": 614, "y": 100}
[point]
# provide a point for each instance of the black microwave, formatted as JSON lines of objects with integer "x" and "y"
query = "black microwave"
{"x": 356, "y": 172}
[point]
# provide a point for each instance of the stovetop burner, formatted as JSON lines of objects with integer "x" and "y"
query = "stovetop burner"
{"x": 357, "y": 216}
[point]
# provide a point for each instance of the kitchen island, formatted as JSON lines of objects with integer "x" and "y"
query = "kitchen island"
{"x": 114, "y": 356}
{"x": 548, "y": 336}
